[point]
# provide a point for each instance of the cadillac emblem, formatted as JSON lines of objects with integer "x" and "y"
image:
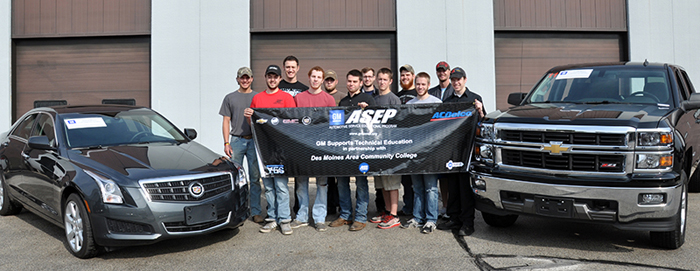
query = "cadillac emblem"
{"x": 196, "y": 189}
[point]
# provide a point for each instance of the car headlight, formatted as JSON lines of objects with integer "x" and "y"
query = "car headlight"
{"x": 484, "y": 152}
{"x": 654, "y": 138}
{"x": 654, "y": 161}
{"x": 485, "y": 131}
{"x": 241, "y": 178}
{"x": 108, "y": 188}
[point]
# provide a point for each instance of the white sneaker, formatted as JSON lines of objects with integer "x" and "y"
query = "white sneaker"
{"x": 269, "y": 226}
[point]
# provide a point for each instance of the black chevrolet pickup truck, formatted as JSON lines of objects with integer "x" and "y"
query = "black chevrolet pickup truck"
{"x": 611, "y": 143}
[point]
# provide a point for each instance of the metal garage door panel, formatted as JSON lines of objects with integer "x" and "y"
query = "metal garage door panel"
{"x": 522, "y": 59}
{"x": 341, "y": 52}
{"x": 81, "y": 71}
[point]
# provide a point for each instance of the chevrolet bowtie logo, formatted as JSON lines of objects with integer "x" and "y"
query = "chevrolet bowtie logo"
{"x": 555, "y": 148}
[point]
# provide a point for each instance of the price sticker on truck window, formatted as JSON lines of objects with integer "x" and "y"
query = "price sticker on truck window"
{"x": 574, "y": 74}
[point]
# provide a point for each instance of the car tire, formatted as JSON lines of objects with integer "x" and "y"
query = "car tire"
{"x": 7, "y": 207}
{"x": 499, "y": 221}
{"x": 675, "y": 238}
{"x": 694, "y": 183}
{"x": 78, "y": 229}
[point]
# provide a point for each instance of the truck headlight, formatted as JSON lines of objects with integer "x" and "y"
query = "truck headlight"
{"x": 485, "y": 131}
{"x": 654, "y": 138}
{"x": 109, "y": 189}
{"x": 484, "y": 152}
{"x": 654, "y": 161}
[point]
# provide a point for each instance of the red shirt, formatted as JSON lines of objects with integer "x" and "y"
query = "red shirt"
{"x": 306, "y": 99}
{"x": 276, "y": 100}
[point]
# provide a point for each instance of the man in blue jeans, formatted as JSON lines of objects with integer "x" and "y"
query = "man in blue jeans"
{"x": 313, "y": 97}
{"x": 241, "y": 144}
{"x": 276, "y": 190}
{"x": 425, "y": 199}
{"x": 355, "y": 97}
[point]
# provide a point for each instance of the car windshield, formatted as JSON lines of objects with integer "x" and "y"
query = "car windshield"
{"x": 604, "y": 85}
{"x": 137, "y": 126}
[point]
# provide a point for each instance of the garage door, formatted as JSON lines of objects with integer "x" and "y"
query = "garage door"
{"x": 81, "y": 71}
{"x": 522, "y": 59}
{"x": 341, "y": 52}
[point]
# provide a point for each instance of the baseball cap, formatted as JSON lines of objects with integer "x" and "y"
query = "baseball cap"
{"x": 408, "y": 68}
{"x": 442, "y": 64}
{"x": 458, "y": 73}
{"x": 330, "y": 74}
{"x": 244, "y": 71}
{"x": 273, "y": 69}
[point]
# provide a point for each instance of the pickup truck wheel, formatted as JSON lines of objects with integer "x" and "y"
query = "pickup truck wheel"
{"x": 674, "y": 239}
{"x": 694, "y": 184}
{"x": 78, "y": 229}
{"x": 499, "y": 221}
{"x": 7, "y": 207}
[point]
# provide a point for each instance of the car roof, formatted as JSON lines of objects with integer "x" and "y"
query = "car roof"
{"x": 98, "y": 108}
{"x": 610, "y": 64}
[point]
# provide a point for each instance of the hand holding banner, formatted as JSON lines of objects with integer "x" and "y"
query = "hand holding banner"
{"x": 349, "y": 141}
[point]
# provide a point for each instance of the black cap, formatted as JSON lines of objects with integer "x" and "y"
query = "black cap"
{"x": 458, "y": 73}
{"x": 273, "y": 69}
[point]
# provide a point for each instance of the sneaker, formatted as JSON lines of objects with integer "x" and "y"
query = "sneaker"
{"x": 392, "y": 222}
{"x": 380, "y": 218}
{"x": 298, "y": 224}
{"x": 286, "y": 228}
{"x": 356, "y": 226}
{"x": 339, "y": 222}
{"x": 321, "y": 227}
{"x": 269, "y": 226}
{"x": 428, "y": 228}
{"x": 413, "y": 223}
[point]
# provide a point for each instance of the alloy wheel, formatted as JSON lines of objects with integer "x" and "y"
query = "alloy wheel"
{"x": 74, "y": 226}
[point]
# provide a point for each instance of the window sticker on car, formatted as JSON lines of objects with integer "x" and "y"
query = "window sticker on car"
{"x": 574, "y": 74}
{"x": 85, "y": 123}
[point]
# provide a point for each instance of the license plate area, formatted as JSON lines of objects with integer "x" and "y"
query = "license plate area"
{"x": 200, "y": 214}
{"x": 555, "y": 207}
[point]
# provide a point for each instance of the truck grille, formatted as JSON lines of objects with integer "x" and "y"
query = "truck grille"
{"x": 565, "y": 137}
{"x": 178, "y": 189}
{"x": 572, "y": 162}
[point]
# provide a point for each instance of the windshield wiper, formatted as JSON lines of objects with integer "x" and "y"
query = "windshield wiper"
{"x": 603, "y": 102}
{"x": 94, "y": 147}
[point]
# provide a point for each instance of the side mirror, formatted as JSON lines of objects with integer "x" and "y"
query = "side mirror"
{"x": 190, "y": 133}
{"x": 516, "y": 98}
{"x": 692, "y": 103}
{"x": 40, "y": 143}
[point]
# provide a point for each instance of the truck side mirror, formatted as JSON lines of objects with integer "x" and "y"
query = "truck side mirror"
{"x": 516, "y": 98}
{"x": 692, "y": 103}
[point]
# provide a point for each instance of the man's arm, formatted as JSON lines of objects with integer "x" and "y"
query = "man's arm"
{"x": 226, "y": 129}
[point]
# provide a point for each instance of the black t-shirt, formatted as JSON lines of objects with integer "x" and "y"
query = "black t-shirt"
{"x": 292, "y": 89}
{"x": 354, "y": 100}
{"x": 467, "y": 97}
{"x": 406, "y": 95}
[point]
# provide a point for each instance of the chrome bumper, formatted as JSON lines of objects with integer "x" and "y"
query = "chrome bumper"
{"x": 628, "y": 209}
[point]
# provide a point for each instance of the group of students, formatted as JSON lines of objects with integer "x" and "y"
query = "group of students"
{"x": 420, "y": 191}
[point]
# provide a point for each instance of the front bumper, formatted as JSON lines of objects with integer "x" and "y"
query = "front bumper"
{"x": 150, "y": 222}
{"x": 618, "y": 206}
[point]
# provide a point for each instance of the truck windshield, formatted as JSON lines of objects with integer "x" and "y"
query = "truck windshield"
{"x": 603, "y": 85}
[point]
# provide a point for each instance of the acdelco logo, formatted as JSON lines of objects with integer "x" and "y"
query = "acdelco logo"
{"x": 447, "y": 115}
{"x": 371, "y": 116}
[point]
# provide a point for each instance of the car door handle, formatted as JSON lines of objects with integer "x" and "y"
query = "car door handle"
{"x": 5, "y": 144}
{"x": 25, "y": 156}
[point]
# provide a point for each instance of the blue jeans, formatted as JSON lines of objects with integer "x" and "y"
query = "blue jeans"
{"x": 246, "y": 147}
{"x": 320, "y": 203}
{"x": 425, "y": 199}
{"x": 277, "y": 195}
{"x": 345, "y": 198}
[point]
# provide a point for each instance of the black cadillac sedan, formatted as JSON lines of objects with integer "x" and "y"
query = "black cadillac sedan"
{"x": 116, "y": 176}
